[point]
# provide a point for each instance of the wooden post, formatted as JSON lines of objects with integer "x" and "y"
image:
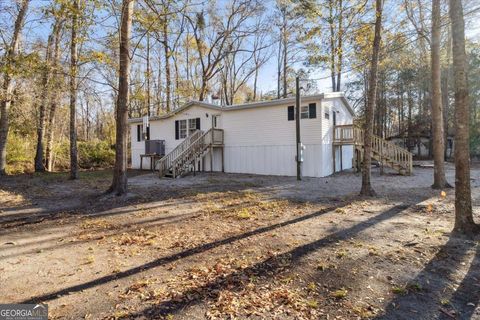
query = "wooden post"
{"x": 223, "y": 159}
{"x": 410, "y": 166}
{"x": 297, "y": 126}
{"x": 211, "y": 158}
{"x": 341, "y": 158}
{"x": 381, "y": 158}
{"x": 333, "y": 155}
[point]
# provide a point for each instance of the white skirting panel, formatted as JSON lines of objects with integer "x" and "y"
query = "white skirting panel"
{"x": 347, "y": 157}
{"x": 327, "y": 160}
{"x": 270, "y": 160}
{"x": 278, "y": 160}
{"x": 136, "y": 158}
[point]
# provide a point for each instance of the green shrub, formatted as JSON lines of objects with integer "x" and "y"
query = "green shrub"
{"x": 91, "y": 154}
{"x": 20, "y": 153}
{"x": 95, "y": 154}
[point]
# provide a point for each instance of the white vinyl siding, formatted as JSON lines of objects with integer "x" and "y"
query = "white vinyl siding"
{"x": 261, "y": 140}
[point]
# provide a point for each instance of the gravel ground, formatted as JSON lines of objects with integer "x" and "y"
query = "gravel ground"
{"x": 238, "y": 246}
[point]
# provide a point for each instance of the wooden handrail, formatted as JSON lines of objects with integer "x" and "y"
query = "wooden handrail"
{"x": 182, "y": 156}
{"x": 166, "y": 162}
{"x": 386, "y": 150}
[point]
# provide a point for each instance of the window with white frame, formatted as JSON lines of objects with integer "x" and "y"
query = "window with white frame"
{"x": 192, "y": 126}
{"x": 182, "y": 129}
{"x": 304, "y": 112}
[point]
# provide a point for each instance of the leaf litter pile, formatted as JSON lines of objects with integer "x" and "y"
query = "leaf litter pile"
{"x": 244, "y": 253}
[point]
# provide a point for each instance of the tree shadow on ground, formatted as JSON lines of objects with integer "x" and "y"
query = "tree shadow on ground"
{"x": 45, "y": 244}
{"x": 433, "y": 296}
{"x": 190, "y": 252}
{"x": 95, "y": 204}
{"x": 236, "y": 281}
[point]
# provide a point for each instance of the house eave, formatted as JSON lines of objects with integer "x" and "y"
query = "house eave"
{"x": 251, "y": 105}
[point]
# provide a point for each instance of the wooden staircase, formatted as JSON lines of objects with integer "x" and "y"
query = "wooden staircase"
{"x": 385, "y": 152}
{"x": 186, "y": 155}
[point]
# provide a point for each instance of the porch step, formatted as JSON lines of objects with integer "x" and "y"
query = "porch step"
{"x": 385, "y": 152}
{"x": 194, "y": 148}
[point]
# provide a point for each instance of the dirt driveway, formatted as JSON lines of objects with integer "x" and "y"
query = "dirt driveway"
{"x": 237, "y": 246}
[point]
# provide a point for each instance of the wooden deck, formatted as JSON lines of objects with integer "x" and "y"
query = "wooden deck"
{"x": 385, "y": 152}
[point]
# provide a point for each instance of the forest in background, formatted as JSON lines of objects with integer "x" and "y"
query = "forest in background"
{"x": 235, "y": 51}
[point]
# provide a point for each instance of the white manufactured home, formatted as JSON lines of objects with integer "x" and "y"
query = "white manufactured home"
{"x": 254, "y": 138}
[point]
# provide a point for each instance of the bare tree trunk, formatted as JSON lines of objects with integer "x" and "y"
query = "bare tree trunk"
{"x": 54, "y": 99}
{"x": 367, "y": 189}
{"x": 73, "y": 91}
{"x": 149, "y": 91}
{"x": 203, "y": 89}
{"x": 285, "y": 58}
{"x": 409, "y": 120}
{"x": 119, "y": 183}
{"x": 175, "y": 95}
{"x": 340, "y": 47}
{"x": 255, "y": 79}
{"x": 464, "y": 223}
{"x": 279, "y": 69}
{"x": 168, "y": 80}
{"x": 39, "y": 165}
{"x": 7, "y": 87}
{"x": 87, "y": 119}
{"x": 159, "y": 86}
{"x": 332, "y": 45}
{"x": 439, "y": 180}
{"x": 445, "y": 91}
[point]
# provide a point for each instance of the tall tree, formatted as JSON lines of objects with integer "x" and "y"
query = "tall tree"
{"x": 46, "y": 75}
{"x": 8, "y": 78}
{"x": 166, "y": 47}
{"x": 367, "y": 189}
{"x": 73, "y": 88}
{"x": 439, "y": 180}
{"x": 119, "y": 183}
{"x": 464, "y": 223}
{"x": 212, "y": 41}
{"x": 55, "y": 96}
{"x": 285, "y": 36}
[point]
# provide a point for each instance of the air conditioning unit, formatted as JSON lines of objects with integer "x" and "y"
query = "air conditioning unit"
{"x": 156, "y": 147}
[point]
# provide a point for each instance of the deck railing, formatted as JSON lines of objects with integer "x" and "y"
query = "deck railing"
{"x": 383, "y": 149}
{"x": 189, "y": 150}
{"x": 347, "y": 134}
{"x": 166, "y": 162}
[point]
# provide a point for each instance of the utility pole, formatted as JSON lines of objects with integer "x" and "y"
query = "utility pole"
{"x": 297, "y": 124}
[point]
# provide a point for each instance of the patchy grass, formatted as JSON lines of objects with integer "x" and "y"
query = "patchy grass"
{"x": 400, "y": 290}
{"x": 339, "y": 294}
